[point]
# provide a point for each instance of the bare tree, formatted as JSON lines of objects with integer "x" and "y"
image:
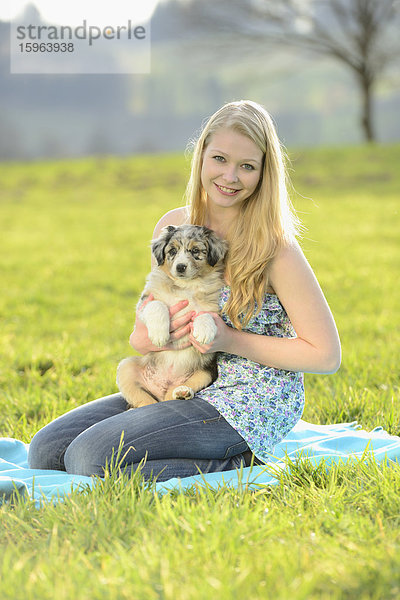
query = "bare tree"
{"x": 360, "y": 34}
{"x": 353, "y": 32}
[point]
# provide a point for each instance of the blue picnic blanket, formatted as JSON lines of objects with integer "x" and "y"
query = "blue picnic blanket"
{"x": 331, "y": 443}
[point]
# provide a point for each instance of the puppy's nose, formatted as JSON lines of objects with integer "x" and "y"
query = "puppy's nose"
{"x": 181, "y": 267}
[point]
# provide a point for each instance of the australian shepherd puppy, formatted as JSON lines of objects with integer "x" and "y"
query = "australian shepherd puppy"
{"x": 190, "y": 265}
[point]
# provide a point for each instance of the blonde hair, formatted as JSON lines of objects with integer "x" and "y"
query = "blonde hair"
{"x": 266, "y": 220}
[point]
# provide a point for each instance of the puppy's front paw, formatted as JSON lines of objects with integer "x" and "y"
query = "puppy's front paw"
{"x": 155, "y": 316}
{"x": 158, "y": 335}
{"x": 182, "y": 392}
{"x": 204, "y": 329}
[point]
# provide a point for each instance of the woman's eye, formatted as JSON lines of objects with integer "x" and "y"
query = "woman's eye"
{"x": 246, "y": 166}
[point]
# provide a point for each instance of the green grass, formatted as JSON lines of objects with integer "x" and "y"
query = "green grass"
{"x": 75, "y": 238}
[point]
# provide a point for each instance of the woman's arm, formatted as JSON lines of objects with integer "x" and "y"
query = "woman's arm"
{"x": 316, "y": 349}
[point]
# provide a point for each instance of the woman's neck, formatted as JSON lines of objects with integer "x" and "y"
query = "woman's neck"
{"x": 220, "y": 220}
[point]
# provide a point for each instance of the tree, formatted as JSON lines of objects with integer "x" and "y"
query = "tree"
{"x": 360, "y": 34}
{"x": 353, "y": 32}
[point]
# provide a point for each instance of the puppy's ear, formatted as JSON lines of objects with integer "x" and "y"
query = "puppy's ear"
{"x": 217, "y": 248}
{"x": 158, "y": 245}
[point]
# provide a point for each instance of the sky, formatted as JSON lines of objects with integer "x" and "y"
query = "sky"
{"x": 73, "y": 12}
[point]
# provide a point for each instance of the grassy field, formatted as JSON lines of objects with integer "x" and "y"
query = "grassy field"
{"x": 75, "y": 238}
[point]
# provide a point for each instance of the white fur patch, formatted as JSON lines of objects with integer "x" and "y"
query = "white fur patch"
{"x": 204, "y": 328}
{"x": 155, "y": 316}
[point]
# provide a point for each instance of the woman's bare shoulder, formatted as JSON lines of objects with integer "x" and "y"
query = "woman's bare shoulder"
{"x": 176, "y": 216}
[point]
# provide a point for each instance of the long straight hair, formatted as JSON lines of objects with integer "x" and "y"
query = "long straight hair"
{"x": 266, "y": 220}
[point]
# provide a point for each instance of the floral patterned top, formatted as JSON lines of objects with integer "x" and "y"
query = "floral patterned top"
{"x": 261, "y": 403}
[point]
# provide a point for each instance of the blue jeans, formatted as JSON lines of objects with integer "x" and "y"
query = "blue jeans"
{"x": 177, "y": 438}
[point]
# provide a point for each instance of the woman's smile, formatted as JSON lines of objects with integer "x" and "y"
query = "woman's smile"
{"x": 226, "y": 190}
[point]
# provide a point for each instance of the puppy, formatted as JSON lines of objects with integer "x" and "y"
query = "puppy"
{"x": 189, "y": 266}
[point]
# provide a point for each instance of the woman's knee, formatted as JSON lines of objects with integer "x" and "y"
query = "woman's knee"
{"x": 48, "y": 446}
{"x": 83, "y": 457}
{"x": 46, "y": 451}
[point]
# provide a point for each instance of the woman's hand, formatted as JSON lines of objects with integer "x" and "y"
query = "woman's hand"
{"x": 179, "y": 327}
{"x": 222, "y": 340}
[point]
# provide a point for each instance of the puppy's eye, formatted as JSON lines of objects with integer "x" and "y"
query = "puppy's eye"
{"x": 195, "y": 253}
{"x": 172, "y": 252}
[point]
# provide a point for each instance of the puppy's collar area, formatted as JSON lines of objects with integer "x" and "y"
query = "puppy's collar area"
{"x": 193, "y": 284}
{"x": 183, "y": 282}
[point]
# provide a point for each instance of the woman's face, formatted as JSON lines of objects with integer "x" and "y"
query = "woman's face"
{"x": 231, "y": 168}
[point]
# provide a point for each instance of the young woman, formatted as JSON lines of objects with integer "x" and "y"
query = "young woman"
{"x": 274, "y": 324}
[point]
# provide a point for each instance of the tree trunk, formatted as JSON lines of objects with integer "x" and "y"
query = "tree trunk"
{"x": 366, "y": 86}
